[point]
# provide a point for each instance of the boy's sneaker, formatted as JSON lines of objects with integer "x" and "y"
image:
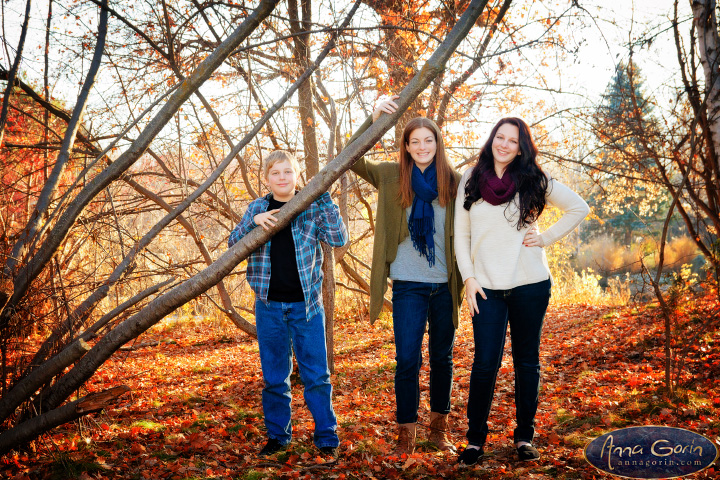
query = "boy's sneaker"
{"x": 272, "y": 446}
{"x": 471, "y": 455}
{"x": 332, "y": 451}
{"x": 527, "y": 453}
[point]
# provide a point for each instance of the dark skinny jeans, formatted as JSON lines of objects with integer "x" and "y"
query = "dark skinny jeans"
{"x": 524, "y": 309}
{"x": 415, "y": 306}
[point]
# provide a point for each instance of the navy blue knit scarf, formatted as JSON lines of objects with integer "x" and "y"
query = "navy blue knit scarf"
{"x": 422, "y": 217}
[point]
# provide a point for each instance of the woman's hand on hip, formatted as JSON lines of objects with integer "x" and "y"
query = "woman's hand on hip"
{"x": 386, "y": 106}
{"x": 472, "y": 288}
{"x": 533, "y": 238}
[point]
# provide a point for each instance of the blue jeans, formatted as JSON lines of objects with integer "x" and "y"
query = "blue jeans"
{"x": 415, "y": 304}
{"x": 282, "y": 327}
{"x": 524, "y": 308}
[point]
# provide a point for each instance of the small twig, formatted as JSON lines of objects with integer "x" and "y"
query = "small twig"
{"x": 269, "y": 464}
{"x": 319, "y": 466}
{"x": 128, "y": 348}
{"x": 302, "y": 467}
{"x": 138, "y": 373}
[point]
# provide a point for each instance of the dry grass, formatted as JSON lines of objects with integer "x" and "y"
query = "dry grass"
{"x": 605, "y": 256}
{"x": 584, "y": 288}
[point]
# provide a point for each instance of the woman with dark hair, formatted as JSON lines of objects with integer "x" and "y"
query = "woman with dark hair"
{"x": 507, "y": 280}
{"x": 413, "y": 247}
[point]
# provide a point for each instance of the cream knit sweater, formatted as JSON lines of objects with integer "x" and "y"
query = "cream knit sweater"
{"x": 488, "y": 245}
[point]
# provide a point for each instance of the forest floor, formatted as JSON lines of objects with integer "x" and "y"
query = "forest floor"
{"x": 194, "y": 409}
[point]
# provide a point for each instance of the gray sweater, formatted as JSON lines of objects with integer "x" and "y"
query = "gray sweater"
{"x": 409, "y": 265}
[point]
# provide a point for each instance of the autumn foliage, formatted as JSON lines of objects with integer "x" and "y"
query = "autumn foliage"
{"x": 195, "y": 410}
{"x": 27, "y": 157}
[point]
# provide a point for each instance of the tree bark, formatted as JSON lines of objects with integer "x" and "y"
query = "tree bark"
{"x": 12, "y": 74}
{"x": 709, "y": 52}
{"x": 328, "y": 266}
{"x": 49, "y": 189}
{"x": 34, "y": 266}
{"x": 328, "y": 294}
{"x": 40, "y": 376}
{"x": 130, "y": 302}
{"x": 30, "y": 429}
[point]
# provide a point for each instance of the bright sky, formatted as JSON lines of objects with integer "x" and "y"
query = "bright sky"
{"x": 618, "y": 23}
{"x": 601, "y": 40}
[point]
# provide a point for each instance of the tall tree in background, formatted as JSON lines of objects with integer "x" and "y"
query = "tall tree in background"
{"x": 626, "y": 204}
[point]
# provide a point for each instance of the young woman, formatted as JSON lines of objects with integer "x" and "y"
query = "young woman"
{"x": 503, "y": 264}
{"x": 413, "y": 247}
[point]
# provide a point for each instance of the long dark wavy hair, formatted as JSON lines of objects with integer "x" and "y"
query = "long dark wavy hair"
{"x": 447, "y": 185}
{"x": 530, "y": 181}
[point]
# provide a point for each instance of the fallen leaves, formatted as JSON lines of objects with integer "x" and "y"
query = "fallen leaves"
{"x": 195, "y": 410}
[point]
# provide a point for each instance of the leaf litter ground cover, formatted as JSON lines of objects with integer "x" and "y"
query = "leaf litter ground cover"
{"x": 194, "y": 411}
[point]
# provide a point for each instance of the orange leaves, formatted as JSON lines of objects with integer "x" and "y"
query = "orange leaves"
{"x": 597, "y": 372}
{"x": 199, "y": 442}
{"x": 411, "y": 460}
{"x": 137, "y": 449}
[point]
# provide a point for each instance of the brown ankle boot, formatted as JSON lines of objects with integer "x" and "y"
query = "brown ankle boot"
{"x": 438, "y": 432}
{"x": 406, "y": 439}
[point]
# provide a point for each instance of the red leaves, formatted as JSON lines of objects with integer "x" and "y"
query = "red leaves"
{"x": 137, "y": 449}
{"x": 207, "y": 422}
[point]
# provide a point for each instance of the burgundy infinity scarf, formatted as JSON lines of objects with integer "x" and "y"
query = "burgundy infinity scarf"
{"x": 496, "y": 190}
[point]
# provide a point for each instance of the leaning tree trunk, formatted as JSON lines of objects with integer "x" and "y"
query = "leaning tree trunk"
{"x": 27, "y": 431}
{"x": 210, "y": 276}
{"x": 478, "y": 61}
{"x": 27, "y": 273}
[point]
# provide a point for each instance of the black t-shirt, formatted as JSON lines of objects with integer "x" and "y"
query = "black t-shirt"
{"x": 285, "y": 283}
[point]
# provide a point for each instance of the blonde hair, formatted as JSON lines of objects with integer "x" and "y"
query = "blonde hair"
{"x": 280, "y": 156}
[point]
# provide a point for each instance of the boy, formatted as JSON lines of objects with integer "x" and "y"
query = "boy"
{"x": 286, "y": 276}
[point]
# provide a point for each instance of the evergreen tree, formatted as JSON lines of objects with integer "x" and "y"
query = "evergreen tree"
{"x": 622, "y": 124}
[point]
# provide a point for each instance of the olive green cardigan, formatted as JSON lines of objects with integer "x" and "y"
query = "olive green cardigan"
{"x": 391, "y": 228}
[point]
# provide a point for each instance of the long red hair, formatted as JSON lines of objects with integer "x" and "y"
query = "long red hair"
{"x": 447, "y": 185}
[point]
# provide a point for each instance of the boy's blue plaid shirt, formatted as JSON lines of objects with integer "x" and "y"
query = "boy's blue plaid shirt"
{"x": 320, "y": 222}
